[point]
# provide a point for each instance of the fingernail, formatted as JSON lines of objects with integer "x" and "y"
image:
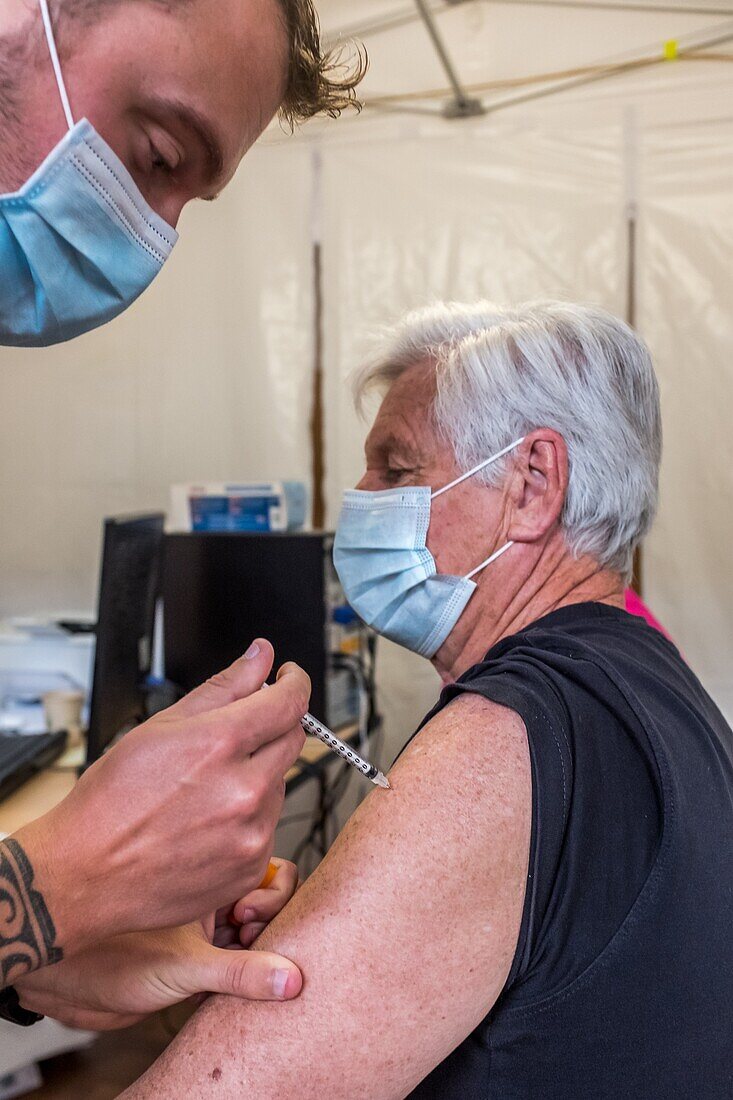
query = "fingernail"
{"x": 248, "y": 915}
{"x": 252, "y": 652}
{"x": 280, "y": 982}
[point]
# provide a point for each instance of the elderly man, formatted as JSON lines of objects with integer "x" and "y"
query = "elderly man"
{"x": 541, "y": 905}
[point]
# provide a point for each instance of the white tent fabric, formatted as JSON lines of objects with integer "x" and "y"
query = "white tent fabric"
{"x": 506, "y": 40}
{"x": 209, "y": 375}
{"x": 686, "y": 314}
{"x": 485, "y": 211}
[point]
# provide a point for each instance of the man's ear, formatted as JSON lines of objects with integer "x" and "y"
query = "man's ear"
{"x": 539, "y": 485}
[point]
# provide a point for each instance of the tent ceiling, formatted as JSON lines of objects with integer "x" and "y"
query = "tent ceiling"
{"x": 505, "y": 40}
{"x": 375, "y": 16}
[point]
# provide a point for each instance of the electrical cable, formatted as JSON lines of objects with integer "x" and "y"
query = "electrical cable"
{"x": 317, "y": 838}
{"x": 509, "y": 83}
{"x": 355, "y": 667}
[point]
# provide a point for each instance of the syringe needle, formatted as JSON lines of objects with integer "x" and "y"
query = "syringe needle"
{"x": 323, "y": 733}
{"x": 328, "y": 737}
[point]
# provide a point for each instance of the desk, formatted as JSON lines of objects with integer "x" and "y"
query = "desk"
{"x": 35, "y": 798}
{"x": 46, "y": 790}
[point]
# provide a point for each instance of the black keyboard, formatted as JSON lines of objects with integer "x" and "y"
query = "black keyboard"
{"x": 22, "y": 755}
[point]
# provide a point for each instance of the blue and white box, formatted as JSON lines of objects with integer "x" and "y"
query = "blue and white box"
{"x": 239, "y": 506}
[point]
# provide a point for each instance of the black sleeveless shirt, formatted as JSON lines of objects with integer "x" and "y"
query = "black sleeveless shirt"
{"x": 622, "y": 983}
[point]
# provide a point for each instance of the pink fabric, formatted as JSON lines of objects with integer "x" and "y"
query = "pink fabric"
{"x": 636, "y": 606}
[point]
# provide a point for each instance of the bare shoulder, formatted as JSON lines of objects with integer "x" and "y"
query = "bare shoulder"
{"x": 474, "y": 733}
{"x": 464, "y": 782}
{"x": 470, "y": 764}
{"x": 416, "y": 908}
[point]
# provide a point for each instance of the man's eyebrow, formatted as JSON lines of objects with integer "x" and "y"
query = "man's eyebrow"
{"x": 205, "y": 134}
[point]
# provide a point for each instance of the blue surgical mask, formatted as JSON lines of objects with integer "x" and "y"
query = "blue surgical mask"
{"x": 78, "y": 242}
{"x": 387, "y": 572}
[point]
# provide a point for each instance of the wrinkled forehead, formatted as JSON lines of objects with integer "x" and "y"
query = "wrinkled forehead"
{"x": 404, "y": 426}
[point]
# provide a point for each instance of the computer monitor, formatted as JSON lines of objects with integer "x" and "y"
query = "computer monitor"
{"x": 221, "y": 590}
{"x": 128, "y": 589}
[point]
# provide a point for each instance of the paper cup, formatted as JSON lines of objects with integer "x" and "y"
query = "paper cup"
{"x": 63, "y": 712}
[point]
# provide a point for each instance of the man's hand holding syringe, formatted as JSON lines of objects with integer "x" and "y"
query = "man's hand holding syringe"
{"x": 317, "y": 729}
{"x": 178, "y": 819}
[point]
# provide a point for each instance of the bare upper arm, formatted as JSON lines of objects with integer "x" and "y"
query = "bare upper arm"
{"x": 405, "y": 934}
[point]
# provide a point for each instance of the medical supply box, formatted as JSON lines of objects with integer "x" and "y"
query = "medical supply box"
{"x": 261, "y": 506}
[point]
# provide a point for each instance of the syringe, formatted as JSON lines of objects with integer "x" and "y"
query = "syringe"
{"x": 328, "y": 737}
{"x": 323, "y": 733}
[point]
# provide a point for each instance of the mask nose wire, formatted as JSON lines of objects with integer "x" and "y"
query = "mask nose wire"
{"x": 48, "y": 28}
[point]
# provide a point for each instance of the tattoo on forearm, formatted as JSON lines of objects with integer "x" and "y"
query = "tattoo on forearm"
{"x": 27, "y": 933}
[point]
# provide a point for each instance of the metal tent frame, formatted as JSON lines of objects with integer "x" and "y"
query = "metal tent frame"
{"x": 462, "y": 100}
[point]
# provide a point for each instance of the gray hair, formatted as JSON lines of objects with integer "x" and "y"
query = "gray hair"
{"x": 501, "y": 373}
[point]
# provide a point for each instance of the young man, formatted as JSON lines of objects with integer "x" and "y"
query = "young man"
{"x": 138, "y": 107}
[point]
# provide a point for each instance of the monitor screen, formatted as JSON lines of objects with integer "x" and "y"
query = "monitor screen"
{"x": 128, "y": 589}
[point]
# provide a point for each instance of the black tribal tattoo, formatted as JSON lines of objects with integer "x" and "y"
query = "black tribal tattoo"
{"x": 27, "y": 932}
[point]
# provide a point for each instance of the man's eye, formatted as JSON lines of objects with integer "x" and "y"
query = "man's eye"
{"x": 158, "y": 162}
{"x": 163, "y": 157}
{"x": 394, "y": 473}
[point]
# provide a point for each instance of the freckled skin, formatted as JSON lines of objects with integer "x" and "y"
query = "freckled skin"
{"x": 385, "y": 931}
{"x": 406, "y": 932}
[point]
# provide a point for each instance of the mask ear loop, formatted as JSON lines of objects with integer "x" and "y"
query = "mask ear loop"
{"x": 48, "y": 28}
{"x": 494, "y": 556}
{"x": 465, "y": 477}
{"x": 475, "y": 470}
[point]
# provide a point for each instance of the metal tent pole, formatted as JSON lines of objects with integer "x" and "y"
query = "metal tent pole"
{"x": 631, "y": 188}
{"x": 462, "y": 105}
{"x": 317, "y": 419}
{"x": 365, "y": 28}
